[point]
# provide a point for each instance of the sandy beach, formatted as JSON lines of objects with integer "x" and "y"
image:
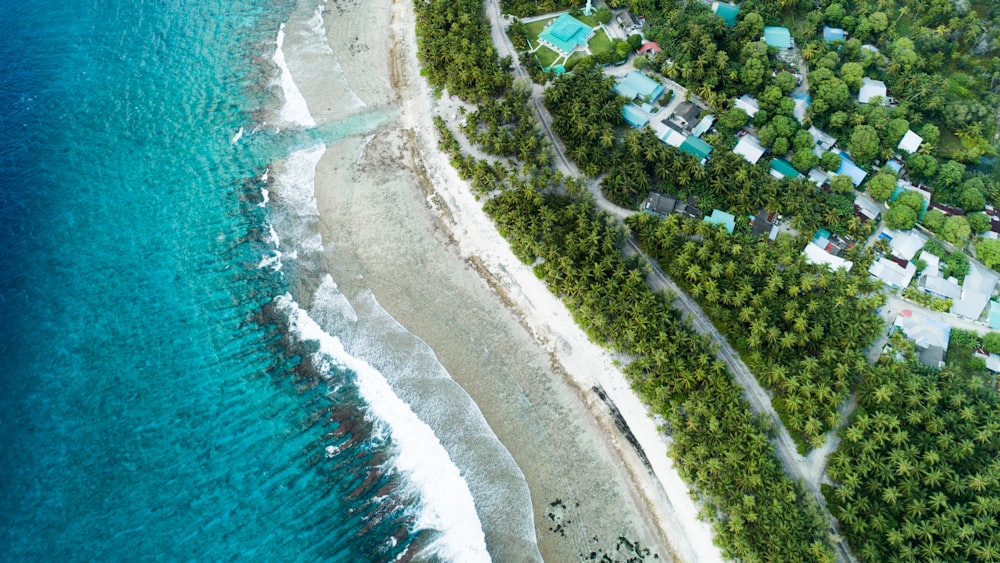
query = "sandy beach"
{"x": 401, "y": 227}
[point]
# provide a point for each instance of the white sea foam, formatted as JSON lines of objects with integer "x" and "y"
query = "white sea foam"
{"x": 296, "y": 184}
{"x": 446, "y": 503}
{"x": 317, "y": 42}
{"x": 236, "y": 138}
{"x": 295, "y": 111}
{"x": 330, "y": 306}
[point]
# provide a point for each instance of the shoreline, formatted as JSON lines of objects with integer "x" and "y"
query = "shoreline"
{"x": 606, "y": 393}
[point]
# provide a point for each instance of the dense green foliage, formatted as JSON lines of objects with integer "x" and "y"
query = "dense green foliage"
{"x": 799, "y": 327}
{"x": 917, "y": 470}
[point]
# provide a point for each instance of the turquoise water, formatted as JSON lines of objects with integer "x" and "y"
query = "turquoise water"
{"x": 152, "y": 405}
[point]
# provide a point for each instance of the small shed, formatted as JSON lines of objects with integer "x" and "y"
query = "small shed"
{"x": 778, "y": 37}
{"x": 719, "y": 217}
{"x": 638, "y": 85}
{"x": 833, "y": 34}
{"x": 727, "y": 12}
{"x": 910, "y": 142}
{"x": 871, "y": 89}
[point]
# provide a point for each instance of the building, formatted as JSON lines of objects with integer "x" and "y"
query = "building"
{"x": 778, "y": 37}
{"x": 866, "y": 209}
{"x": 566, "y": 34}
{"x": 819, "y": 177}
{"x": 747, "y": 104}
{"x": 719, "y": 217}
{"x": 910, "y": 142}
{"x": 638, "y": 85}
{"x": 976, "y": 291}
{"x": 816, "y": 255}
{"x": 942, "y": 288}
{"x": 634, "y": 116}
{"x": 871, "y": 89}
{"x": 696, "y": 147}
{"x": 929, "y": 336}
{"x": 727, "y": 12}
{"x": 824, "y": 141}
{"x": 686, "y": 114}
{"x": 781, "y": 168}
{"x": 703, "y": 126}
{"x": 892, "y": 273}
{"x": 994, "y": 319}
{"x": 762, "y": 223}
{"x": 802, "y": 103}
{"x": 904, "y": 245}
{"x": 629, "y": 22}
{"x": 992, "y": 361}
{"x": 848, "y": 168}
{"x": 749, "y": 148}
{"x": 833, "y": 34}
{"x": 671, "y": 135}
{"x": 659, "y": 204}
{"x": 649, "y": 47}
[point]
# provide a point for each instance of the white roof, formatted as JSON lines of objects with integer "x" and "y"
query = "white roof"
{"x": 673, "y": 138}
{"x": 933, "y": 264}
{"x": 910, "y": 142}
{"x": 749, "y": 148}
{"x": 872, "y": 88}
{"x": 816, "y": 255}
{"x": 891, "y": 273}
{"x": 799, "y": 110}
{"x": 818, "y": 176}
{"x": 992, "y": 361}
{"x": 905, "y": 245}
{"x": 924, "y": 331}
{"x": 747, "y": 104}
{"x": 976, "y": 291}
{"x": 704, "y": 125}
{"x": 868, "y": 207}
{"x": 942, "y": 287}
{"x": 823, "y": 140}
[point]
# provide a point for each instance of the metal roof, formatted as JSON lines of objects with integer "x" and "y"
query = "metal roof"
{"x": 778, "y": 37}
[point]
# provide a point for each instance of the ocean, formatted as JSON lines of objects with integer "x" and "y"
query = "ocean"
{"x": 181, "y": 377}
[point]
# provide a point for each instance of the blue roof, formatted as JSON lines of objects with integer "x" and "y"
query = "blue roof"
{"x": 638, "y": 84}
{"x": 727, "y": 12}
{"x": 695, "y": 146}
{"x": 834, "y": 34}
{"x": 895, "y": 165}
{"x": 994, "y": 314}
{"x": 784, "y": 168}
{"x": 566, "y": 33}
{"x": 718, "y": 217}
{"x": 633, "y": 116}
{"x": 778, "y": 37}
{"x": 848, "y": 168}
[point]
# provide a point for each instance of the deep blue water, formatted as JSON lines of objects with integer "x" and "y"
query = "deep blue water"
{"x": 150, "y": 405}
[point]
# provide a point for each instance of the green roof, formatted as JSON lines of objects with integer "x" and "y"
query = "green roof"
{"x": 638, "y": 84}
{"x": 778, "y": 37}
{"x": 633, "y": 116}
{"x": 784, "y": 168}
{"x": 718, "y": 217}
{"x": 566, "y": 33}
{"x": 727, "y": 12}
{"x": 695, "y": 146}
{"x": 994, "y": 314}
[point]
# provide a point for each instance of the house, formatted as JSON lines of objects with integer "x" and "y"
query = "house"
{"x": 816, "y": 255}
{"x": 866, "y": 209}
{"x": 992, "y": 360}
{"x": 976, "y": 292}
{"x": 727, "y": 12}
{"x": 696, "y": 147}
{"x": 871, "y": 89}
{"x": 905, "y": 245}
{"x": 892, "y": 273}
{"x": 819, "y": 177}
{"x": 650, "y": 47}
{"x": 719, "y": 217}
{"x": 634, "y": 116}
{"x": 704, "y": 125}
{"x": 802, "y": 104}
{"x": 910, "y": 142}
{"x": 824, "y": 141}
{"x": 942, "y": 288}
{"x": 929, "y": 336}
{"x": 762, "y": 222}
{"x": 833, "y": 34}
{"x": 672, "y": 136}
{"x": 629, "y": 22}
{"x": 749, "y": 148}
{"x": 659, "y": 204}
{"x": 781, "y": 168}
{"x": 686, "y": 114}
{"x": 778, "y": 37}
{"x": 565, "y": 34}
{"x": 848, "y": 168}
{"x": 638, "y": 85}
{"x": 747, "y": 104}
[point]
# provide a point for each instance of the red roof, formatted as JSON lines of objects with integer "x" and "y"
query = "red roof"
{"x": 649, "y": 46}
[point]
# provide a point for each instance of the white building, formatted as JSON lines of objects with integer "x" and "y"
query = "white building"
{"x": 871, "y": 89}
{"x": 749, "y": 148}
{"x": 910, "y": 142}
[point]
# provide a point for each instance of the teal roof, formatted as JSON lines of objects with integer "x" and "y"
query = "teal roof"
{"x": 727, "y": 12}
{"x": 778, "y": 37}
{"x": 566, "y": 33}
{"x": 718, "y": 217}
{"x": 638, "y": 84}
{"x": 695, "y": 146}
{"x": 784, "y": 168}
{"x": 994, "y": 314}
{"x": 633, "y": 116}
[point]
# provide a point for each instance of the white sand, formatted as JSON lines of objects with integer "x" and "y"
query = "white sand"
{"x": 586, "y": 363}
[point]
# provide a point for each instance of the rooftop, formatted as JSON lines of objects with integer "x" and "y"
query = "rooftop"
{"x": 687, "y": 112}
{"x": 816, "y": 255}
{"x": 994, "y": 314}
{"x": 566, "y": 33}
{"x": 704, "y": 125}
{"x": 633, "y": 116}
{"x": 747, "y": 104}
{"x": 695, "y": 146}
{"x": 719, "y": 217}
{"x": 649, "y": 47}
{"x": 891, "y": 273}
{"x": 833, "y": 34}
{"x": 659, "y": 204}
{"x": 823, "y": 140}
{"x": 929, "y": 335}
{"x": 976, "y": 292}
{"x": 778, "y": 37}
{"x": 727, "y": 12}
{"x": 872, "y": 88}
{"x": 940, "y": 287}
{"x": 848, "y": 168}
{"x": 906, "y": 244}
{"x": 910, "y": 142}
{"x": 781, "y": 168}
{"x": 749, "y": 148}
{"x": 637, "y": 84}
